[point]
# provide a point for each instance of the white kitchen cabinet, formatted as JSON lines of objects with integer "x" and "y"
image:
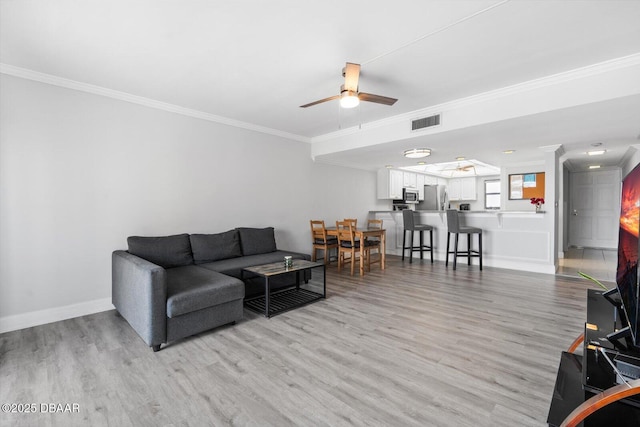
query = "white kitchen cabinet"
{"x": 409, "y": 180}
{"x": 469, "y": 189}
{"x": 420, "y": 181}
{"x": 454, "y": 189}
{"x": 390, "y": 183}
{"x": 462, "y": 189}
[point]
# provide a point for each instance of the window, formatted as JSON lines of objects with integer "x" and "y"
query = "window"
{"x": 492, "y": 194}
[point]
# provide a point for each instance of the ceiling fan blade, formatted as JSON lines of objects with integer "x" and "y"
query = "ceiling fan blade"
{"x": 331, "y": 98}
{"x": 351, "y": 76}
{"x": 379, "y": 99}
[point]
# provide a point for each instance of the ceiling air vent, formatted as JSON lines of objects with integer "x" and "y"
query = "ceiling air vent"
{"x": 425, "y": 122}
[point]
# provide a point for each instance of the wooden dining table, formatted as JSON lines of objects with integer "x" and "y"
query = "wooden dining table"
{"x": 362, "y": 233}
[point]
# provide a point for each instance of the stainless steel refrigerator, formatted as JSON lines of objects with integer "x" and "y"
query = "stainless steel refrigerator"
{"x": 435, "y": 198}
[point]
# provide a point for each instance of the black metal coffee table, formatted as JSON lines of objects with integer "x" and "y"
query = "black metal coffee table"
{"x": 304, "y": 292}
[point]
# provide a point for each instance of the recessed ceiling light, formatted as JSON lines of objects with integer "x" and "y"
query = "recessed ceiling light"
{"x": 422, "y": 163}
{"x": 460, "y": 158}
{"x": 509, "y": 151}
{"x": 594, "y": 167}
{"x": 596, "y": 152}
{"x": 417, "y": 153}
{"x": 388, "y": 166}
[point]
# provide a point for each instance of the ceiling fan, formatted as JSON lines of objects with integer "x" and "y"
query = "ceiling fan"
{"x": 461, "y": 168}
{"x": 349, "y": 95}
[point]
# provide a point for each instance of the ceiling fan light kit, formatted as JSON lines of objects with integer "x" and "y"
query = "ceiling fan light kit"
{"x": 417, "y": 153}
{"x": 349, "y": 99}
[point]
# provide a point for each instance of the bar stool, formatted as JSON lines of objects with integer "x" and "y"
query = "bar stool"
{"x": 453, "y": 225}
{"x": 410, "y": 225}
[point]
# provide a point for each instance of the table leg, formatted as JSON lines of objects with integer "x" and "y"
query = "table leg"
{"x": 266, "y": 296}
{"x": 324, "y": 281}
{"x": 383, "y": 249}
{"x": 362, "y": 256}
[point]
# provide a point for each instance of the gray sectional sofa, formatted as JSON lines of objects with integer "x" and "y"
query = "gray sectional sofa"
{"x": 172, "y": 287}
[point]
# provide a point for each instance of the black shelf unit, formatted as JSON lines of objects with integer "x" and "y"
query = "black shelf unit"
{"x": 583, "y": 376}
{"x": 282, "y": 301}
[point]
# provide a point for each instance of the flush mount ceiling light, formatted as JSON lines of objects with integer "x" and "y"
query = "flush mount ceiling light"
{"x": 459, "y": 158}
{"x": 509, "y": 151}
{"x": 596, "y": 152}
{"x": 594, "y": 167}
{"x": 417, "y": 153}
{"x": 349, "y": 99}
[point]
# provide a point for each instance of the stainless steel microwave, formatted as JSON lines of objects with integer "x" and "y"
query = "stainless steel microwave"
{"x": 410, "y": 195}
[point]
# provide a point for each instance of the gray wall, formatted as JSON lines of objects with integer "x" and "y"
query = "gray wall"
{"x": 81, "y": 172}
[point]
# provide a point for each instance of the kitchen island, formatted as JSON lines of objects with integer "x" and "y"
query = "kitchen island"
{"x": 520, "y": 240}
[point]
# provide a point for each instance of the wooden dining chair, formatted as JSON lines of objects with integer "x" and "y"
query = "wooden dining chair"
{"x": 374, "y": 223}
{"x": 347, "y": 245}
{"x": 321, "y": 241}
{"x": 354, "y": 224}
{"x": 353, "y": 221}
{"x": 373, "y": 243}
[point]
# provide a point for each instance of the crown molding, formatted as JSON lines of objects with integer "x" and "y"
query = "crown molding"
{"x": 147, "y": 102}
{"x": 555, "y": 148}
{"x": 554, "y": 79}
{"x": 578, "y": 73}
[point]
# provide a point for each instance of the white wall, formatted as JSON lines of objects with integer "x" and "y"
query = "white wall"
{"x": 550, "y": 223}
{"x": 524, "y": 204}
{"x": 632, "y": 159}
{"x": 80, "y": 172}
{"x": 342, "y": 192}
{"x": 563, "y": 214}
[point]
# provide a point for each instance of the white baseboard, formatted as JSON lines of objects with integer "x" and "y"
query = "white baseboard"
{"x": 49, "y": 315}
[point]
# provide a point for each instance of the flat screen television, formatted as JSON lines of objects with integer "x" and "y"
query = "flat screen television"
{"x": 628, "y": 248}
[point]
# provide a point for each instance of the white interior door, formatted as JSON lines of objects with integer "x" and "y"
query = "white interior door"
{"x": 594, "y": 208}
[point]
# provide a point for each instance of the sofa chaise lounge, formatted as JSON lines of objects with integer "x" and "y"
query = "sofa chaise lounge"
{"x": 172, "y": 287}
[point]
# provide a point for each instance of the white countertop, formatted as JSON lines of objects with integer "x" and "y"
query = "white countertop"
{"x": 491, "y": 211}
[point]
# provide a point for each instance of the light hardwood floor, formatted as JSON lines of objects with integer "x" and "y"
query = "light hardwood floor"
{"x": 598, "y": 263}
{"x": 414, "y": 345}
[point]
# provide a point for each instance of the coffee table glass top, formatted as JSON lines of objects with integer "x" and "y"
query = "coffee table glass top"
{"x": 276, "y": 268}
